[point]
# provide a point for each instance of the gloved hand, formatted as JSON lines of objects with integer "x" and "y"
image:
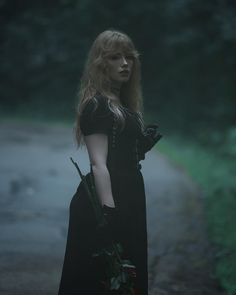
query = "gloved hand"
{"x": 152, "y": 136}
{"x": 106, "y": 230}
{"x": 148, "y": 139}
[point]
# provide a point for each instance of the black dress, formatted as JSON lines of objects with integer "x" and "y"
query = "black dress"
{"x": 79, "y": 276}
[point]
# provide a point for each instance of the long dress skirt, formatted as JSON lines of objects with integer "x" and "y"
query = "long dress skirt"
{"x": 79, "y": 275}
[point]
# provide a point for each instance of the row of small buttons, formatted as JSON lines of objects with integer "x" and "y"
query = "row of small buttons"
{"x": 113, "y": 144}
{"x": 138, "y": 165}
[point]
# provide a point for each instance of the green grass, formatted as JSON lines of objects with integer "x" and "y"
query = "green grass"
{"x": 215, "y": 173}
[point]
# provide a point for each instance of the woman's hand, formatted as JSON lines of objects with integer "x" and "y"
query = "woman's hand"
{"x": 152, "y": 136}
{"x": 149, "y": 138}
{"x": 107, "y": 229}
{"x": 109, "y": 214}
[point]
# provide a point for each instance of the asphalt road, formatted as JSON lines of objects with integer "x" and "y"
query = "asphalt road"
{"x": 37, "y": 183}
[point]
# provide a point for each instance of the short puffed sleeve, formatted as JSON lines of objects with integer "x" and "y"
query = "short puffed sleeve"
{"x": 96, "y": 117}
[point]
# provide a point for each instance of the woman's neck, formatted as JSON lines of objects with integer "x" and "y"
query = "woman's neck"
{"x": 115, "y": 89}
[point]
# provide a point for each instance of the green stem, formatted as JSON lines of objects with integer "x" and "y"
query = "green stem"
{"x": 89, "y": 191}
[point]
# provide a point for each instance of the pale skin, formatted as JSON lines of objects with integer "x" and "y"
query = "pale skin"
{"x": 119, "y": 69}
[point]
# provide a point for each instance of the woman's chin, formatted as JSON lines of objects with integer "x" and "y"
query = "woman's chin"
{"x": 120, "y": 80}
{"x": 124, "y": 79}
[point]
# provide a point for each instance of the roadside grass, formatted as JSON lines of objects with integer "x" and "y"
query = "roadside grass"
{"x": 215, "y": 173}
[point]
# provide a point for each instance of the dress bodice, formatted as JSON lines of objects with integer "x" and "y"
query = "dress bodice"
{"x": 123, "y": 148}
{"x": 122, "y": 144}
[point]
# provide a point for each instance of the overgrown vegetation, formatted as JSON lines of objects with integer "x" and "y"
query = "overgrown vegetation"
{"x": 214, "y": 170}
{"x": 187, "y": 49}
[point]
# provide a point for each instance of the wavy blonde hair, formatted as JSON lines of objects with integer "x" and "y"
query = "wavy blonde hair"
{"x": 95, "y": 78}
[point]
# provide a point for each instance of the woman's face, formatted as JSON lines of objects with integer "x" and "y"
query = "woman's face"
{"x": 120, "y": 67}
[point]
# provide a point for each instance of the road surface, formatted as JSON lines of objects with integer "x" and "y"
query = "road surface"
{"x": 37, "y": 183}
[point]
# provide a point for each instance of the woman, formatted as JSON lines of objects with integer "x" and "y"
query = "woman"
{"x": 109, "y": 122}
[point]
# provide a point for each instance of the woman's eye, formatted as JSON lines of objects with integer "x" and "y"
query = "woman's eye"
{"x": 129, "y": 57}
{"x": 119, "y": 56}
{"x": 114, "y": 57}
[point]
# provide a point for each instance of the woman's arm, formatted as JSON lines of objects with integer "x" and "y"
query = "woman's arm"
{"x": 97, "y": 146}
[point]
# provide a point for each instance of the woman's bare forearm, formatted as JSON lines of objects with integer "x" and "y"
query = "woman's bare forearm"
{"x": 102, "y": 181}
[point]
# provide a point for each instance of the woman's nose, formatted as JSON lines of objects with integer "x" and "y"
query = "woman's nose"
{"x": 124, "y": 61}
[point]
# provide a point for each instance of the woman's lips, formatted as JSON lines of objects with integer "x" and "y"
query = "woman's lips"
{"x": 124, "y": 72}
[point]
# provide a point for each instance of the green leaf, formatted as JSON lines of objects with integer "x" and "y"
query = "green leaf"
{"x": 119, "y": 248}
{"x": 124, "y": 277}
{"x": 115, "y": 283}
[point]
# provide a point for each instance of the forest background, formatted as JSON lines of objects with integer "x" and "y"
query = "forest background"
{"x": 187, "y": 49}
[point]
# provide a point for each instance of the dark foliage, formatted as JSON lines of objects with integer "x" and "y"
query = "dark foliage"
{"x": 187, "y": 52}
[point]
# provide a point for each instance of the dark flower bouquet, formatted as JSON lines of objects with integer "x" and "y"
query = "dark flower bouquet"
{"x": 119, "y": 273}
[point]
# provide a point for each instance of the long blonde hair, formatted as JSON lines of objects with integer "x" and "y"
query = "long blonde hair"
{"x": 96, "y": 79}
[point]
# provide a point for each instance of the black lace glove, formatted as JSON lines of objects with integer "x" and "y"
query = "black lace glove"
{"x": 106, "y": 230}
{"x": 147, "y": 140}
